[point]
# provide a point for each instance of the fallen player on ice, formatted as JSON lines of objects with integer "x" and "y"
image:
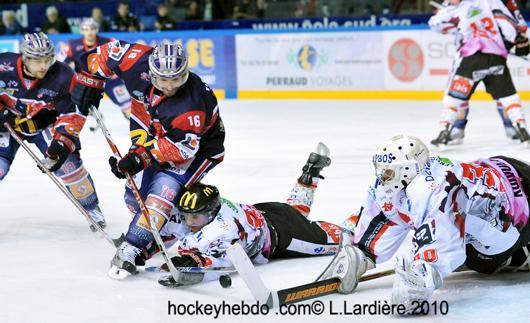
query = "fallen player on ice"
{"x": 471, "y": 214}
{"x": 209, "y": 224}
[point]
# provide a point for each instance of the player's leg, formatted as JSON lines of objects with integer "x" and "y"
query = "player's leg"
{"x": 119, "y": 95}
{"x": 506, "y": 122}
{"x": 500, "y": 86}
{"x": 8, "y": 150}
{"x": 302, "y": 194}
{"x": 455, "y": 109}
{"x": 163, "y": 190}
{"x": 75, "y": 177}
{"x": 293, "y": 235}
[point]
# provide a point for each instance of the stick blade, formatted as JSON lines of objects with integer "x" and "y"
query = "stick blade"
{"x": 248, "y": 273}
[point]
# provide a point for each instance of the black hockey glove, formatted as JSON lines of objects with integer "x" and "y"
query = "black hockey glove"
{"x": 5, "y": 116}
{"x": 522, "y": 45}
{"x": 134, "y": 162}
{"x": 59, "y": 150}
{"x": 87, "y": 92}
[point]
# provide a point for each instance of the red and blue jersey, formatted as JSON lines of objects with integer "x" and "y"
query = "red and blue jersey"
{"x": 174, "y": 129}
{"x": 78, "y": 46}
{"x": 20, "y": 92}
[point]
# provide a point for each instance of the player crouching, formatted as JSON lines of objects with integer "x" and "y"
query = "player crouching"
{"x": 473, "y": 214}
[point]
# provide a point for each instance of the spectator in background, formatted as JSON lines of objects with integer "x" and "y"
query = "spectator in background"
{"x": 193, "y": 12}
{"x": 55, "y": 23}
{"x": 217, "y": 9}
{"x": 261, "y": 8}
{"x": 163, "y": 22}
{"x": 244, "y": 10}
{"x": 124, "y": 20}
{"x": 302, "y": 9}
{"x": 97, "y": 15}
{"x": 11, "y": 25}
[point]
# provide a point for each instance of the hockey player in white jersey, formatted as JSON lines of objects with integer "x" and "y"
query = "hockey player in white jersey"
{"x": 209, "y": 224}
{"x": 472, "y": 213}
{"x": 486, "y": 30}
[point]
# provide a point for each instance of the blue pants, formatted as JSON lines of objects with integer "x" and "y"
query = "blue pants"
{"x": 160, "y": 189}
{"x": 74, "y": 176}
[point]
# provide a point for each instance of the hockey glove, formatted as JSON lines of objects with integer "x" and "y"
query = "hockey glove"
{"x": 522, "y": 45}
{"x": 59, "y": 150}
{"x": 134, "y": 162}
{"x": 414, "y": 282}
{"x": 87, "y": 91}
{"x": 5, "y": 115}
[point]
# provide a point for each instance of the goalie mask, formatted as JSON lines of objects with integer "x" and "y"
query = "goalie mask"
{"x": 398, "y": 161}
{"x": 168, "y": 67}
{"x": 38, "y": 54}
{"x": 199, "y": 205}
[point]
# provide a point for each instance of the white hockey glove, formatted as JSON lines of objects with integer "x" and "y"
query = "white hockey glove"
{"x": 349, "y": 264}
{"x": 414, "y": 282}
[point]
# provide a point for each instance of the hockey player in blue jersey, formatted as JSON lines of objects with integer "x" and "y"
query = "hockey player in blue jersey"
{"x": 176, "y": 131}
{"x": 35, "y": 99}
{"x": 114, "y": 87}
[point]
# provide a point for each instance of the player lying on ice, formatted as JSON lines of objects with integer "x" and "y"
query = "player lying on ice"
{"x": 34, "y": 99}
{"x": 210, "y": 224}
{"x": 176, "y": 131}
{"x": 472, "y": 213}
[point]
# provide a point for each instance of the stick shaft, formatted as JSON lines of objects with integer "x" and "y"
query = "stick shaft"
{"x": 54, "y": 179}
{"x": 136, "y": 193}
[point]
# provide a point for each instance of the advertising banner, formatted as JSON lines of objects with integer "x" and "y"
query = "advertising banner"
{"x": 338, "y": 61}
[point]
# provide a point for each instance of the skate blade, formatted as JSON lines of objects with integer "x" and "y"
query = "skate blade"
{"x": 118, "y": 273}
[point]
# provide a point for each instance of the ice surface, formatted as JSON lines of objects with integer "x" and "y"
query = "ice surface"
{"x": 55, "y": 270}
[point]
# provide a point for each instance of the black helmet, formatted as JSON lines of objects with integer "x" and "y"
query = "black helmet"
{"x": 199, "y": 204}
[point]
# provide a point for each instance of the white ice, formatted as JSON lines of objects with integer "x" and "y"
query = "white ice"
{"x": 55, "y": 270}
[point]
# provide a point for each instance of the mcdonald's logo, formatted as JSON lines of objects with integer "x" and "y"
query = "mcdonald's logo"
{"x": 207, "y": 191}
{"x": 187, "y": 199}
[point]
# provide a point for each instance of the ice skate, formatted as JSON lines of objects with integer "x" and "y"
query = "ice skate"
{"x": 522, "y": 134}
{"x": 317, "y": 160}
{"x": 122, "y": 265}
{"x": 448, "y": 136}
{"x": 97, "y": 216}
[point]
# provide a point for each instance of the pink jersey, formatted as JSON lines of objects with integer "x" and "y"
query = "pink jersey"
{"x": 475, "y": 22}
{"x": 448, "y": 205}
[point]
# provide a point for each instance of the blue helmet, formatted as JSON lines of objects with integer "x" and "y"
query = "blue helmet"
{"x": 37, "y": 45}
{"x": 168, "y": 60}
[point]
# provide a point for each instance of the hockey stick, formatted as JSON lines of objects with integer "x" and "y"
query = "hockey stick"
{"x": 132, "y": 185}
{"x": 262, "y": 294}
{"x": 54, "y": 179}
{"x": 158, "y": 269}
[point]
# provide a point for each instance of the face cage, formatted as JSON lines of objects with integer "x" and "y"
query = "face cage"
{"x": 400, "y": 172}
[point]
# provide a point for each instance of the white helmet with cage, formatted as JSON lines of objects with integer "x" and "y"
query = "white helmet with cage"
{"x": 169, "y": 61}
{"x": 398, "y": 161}
{"x": 37, "y": 45}
{"x": 89, "y": 23}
